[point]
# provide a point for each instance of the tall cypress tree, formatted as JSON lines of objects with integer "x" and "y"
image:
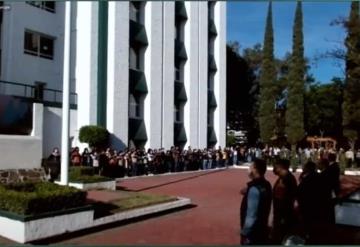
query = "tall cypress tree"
{"x": 267, "y": 114}
{"x": 295, "y": 102}
{"x": 351, "y": 103}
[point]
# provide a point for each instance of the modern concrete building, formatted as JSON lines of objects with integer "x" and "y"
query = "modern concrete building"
{"x": 158, "y": 78}
{"x": 153, "y": 73}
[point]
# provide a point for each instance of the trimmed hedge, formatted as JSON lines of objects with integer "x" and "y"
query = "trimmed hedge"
{"x": 33, "y": 198}
{"x": 83, "y": 174}
{"x": 95, "y": 136}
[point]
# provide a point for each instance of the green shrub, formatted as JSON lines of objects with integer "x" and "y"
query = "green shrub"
{"x": 83, "y": 174}
{"x": 95, "y": 136}
{"x": 230, "y": 140}
{"x": 39, "y": 197}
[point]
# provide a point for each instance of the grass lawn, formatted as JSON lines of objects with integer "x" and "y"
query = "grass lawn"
{"x": 139, "y": 200}
{"x": 127, "y": 201}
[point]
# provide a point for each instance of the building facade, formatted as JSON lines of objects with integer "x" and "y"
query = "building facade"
{"x": 153, "y": 73}
{"x": 158, "y": 78}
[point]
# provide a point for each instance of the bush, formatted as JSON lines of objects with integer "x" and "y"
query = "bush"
{"x": 83, "y": 174}
{"x": 39, "y": 197}
{"x": 95, "y": 136}
{"x": 230, "y": 140}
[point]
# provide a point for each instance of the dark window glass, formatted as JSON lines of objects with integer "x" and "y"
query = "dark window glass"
{"x": 134, "y": 58}
{"x": 46, "y": 47}
{"x": 38, "y": 45}
{"x": 46, "y": 5}
{"x": 31, "y": 44}
{"x": 135, "y": 11}
{"x": 177, "y": 113}
{"x": 49, "y": 6}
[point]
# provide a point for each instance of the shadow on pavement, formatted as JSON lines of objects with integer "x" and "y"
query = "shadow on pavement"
{"x": 171, "y": 182}
{"x": 81, "y": 233}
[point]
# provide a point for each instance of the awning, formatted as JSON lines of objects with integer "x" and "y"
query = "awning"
{"x": 212, "y": 28}
{"x": 137, "y": 130}
{"x": 180, "y": 51}
{"x": 180, "y": 92}
{"x": 180, "y": 10}
{"x": 137, "y": 82}
{"x": 179, "y": 133}
{"x": 211, "y": 135}
{"x": 138, "y": 34}
{"x": 211, "y": 99}
{"x": 212, "y": 63}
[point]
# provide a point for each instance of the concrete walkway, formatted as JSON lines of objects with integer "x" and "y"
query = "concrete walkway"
{"x": 214, "y": 220}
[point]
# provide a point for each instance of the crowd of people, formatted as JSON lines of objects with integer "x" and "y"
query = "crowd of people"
{"x": 315, "y": 194}
{"x": 137, "y": 162}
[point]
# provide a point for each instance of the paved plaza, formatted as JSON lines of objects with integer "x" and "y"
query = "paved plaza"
{"x": 214, "y": 219}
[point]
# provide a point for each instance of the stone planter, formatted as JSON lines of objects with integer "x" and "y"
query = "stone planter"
{"x": 348, "y": 212}
{"x": 107, "y": 185}
{"x": 25, "y": 229}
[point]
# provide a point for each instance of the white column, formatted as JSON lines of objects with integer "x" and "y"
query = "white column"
{"x": 118, "y": 73}
{"x": 168, "y": 75}
{"x": 191, "y": 109}
{"x": 203, "y": 73}
{"x": 66, "y": 94}
{"x": 153, "y": 61}
{"x": 86, "y": 65}
{"x": 220, "y": 76}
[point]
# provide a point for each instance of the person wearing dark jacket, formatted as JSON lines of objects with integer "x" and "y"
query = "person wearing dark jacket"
{"x": 284, "y": 195}
{"x": 309, "y": 200}
{"x": 328, "y": 186}
{"x": 334, "y": 173}
{"x": 255, "y": 206}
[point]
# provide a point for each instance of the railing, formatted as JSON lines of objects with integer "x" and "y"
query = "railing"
{"x": 36, "y": 93}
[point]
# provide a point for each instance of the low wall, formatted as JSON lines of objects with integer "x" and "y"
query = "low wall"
{"x": 21, "y": 175}
{"x": 20, "y": 152}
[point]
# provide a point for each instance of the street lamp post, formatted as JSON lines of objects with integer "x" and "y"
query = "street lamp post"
{"x": 64, "y": 179}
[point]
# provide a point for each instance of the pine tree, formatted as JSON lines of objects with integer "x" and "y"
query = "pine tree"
{"x": 351, "y": 103}
{"x": 267, "y": 114}
{"x": 295, "y": 102}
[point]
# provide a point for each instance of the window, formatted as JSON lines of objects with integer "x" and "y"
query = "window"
{"x": 178, "y": 30}
{"x": 134, "y": 58}
{"x": 46, "y": 5}
{"x": 211, "y": 118}
{"x": 177, "y": 113}
{"x": 211, "y": 5}
{"x": 178, "y": 69}
{"x": 135, "y": 13}
{"x": 211, "y": 46}
{"x": 211, "y": 82}
{"x": 40, "y": 45}
{"x": 134, "y": 106}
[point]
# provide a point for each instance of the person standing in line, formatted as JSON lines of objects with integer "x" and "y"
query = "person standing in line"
{"x": 330, "y": 187}
{"x": 284, "y": 195}
{"x": 357, "y": 158}
{"x": 309, "y": 201}
{"x": 349, "y": 158}
{"x": 255, "y": 206}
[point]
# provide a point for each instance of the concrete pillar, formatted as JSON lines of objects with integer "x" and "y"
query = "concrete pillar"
{"x": 168, "y": 75}
{"x": 153, "y": 61}
{"x": 86, "y": 66}
{"x": 191, "y": 76}
{"x": 203, "y": 74}
{"x": 118, "y": 73}
{"x": 64, "y": 178}
{"x": 220, "y": 76}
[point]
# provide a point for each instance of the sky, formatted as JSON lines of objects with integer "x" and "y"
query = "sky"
{"x": 246, "y": 24}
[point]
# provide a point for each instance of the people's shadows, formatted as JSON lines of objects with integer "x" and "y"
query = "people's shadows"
{"x": 171, "y": 182}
